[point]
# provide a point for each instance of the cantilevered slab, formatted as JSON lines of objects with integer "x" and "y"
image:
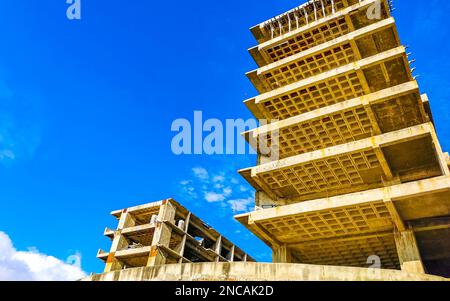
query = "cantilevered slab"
{"x": 134, "y": 257}
{"x": 427, "y": 106}
{"x": 380, "y": 112}
{"x": 316, "y": 33}
{"x": 322, "y": 231}
{"x": 355, "y": 166}
{"x": 414, "y": 201}
{"x": 365, "y": 42}
{"x": 366, "y": 76}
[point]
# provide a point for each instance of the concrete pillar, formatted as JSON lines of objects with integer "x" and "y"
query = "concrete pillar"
{"x": 126, "y": 221}
{"x": 162, "y": 235}
{"x": 157, "y": 257}
{"x": 118, "y": 243}
{"x": 233, "y": 250}
{"x": 282, "y": 254}
{"x": 218, "y": 248}
{"x": 408, "y": 252}
{"x": 167, "y": 212}
{"x": 112, "y": 264}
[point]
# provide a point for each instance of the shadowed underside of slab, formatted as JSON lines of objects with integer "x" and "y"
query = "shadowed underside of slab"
{"x": 346, "y": 230}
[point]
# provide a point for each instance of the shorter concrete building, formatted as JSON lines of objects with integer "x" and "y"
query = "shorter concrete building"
{"x": 163, "y": 233}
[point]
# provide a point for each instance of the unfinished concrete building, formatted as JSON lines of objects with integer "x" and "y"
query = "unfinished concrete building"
{"x": 358, "y": 179}
{"x": 360, "y": 174}
{"x": 164, "y": 233}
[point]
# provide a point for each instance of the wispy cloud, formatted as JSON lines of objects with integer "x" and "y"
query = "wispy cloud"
{"x": 201, "y": 173}
{"x": 220, "y": 187}
{"x": 34, "y": 266}
{"x": 213, "y": 197}
{"x": 241, "y": 205}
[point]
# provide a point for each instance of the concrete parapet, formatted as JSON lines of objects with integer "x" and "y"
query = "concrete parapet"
{"x": 248, "y": 271}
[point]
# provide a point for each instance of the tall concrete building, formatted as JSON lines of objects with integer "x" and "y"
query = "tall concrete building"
{"x": 360, "y": 178}
{"x": 355, "y": 176}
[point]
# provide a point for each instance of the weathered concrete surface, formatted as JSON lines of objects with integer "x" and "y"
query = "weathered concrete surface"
{"x": 161, "y": 233}
{"x": 249, "y": 271}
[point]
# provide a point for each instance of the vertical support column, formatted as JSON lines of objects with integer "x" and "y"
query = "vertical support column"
{"x": 162, "y": 235}
{"x": 408, "y": 252}
{"x": 186, "y": 229}
{"x": 233, "y": 250}
{"x": 119, "y": 241}
{"x": 282, "y": 254}
{"x": 218, "y": 248}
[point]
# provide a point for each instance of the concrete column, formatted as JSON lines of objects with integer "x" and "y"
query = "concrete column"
{"x": 162, "y": 235}
{"x": 408, "y": 252}
{"x": 167, "y": 212}
{"x": 233, "y": 250}
{"x": 126, "y": 221}
{"x": 282, "y": 254}
{"x": 118, "y": 243}
{"x": 218, "y": 248}
{"x": 157, "y": 257}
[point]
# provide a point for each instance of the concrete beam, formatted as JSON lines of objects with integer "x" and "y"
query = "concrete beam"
{"x": 135, "y": 209}
{"x": 364, "y": 63}
{"x": 392, "y": 138}
{"x": 395, "y": 215}
{"x": 396, "y": 194}
{"x": 431, "y": 224}
{"x": 254, "y": 75}
{"x": 366, "y": 100}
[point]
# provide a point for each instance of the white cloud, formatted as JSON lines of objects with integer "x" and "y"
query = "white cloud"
{"x": 242, "y": 188}
{"x": 201, "y": 173}
{"x": 227, "y": 191}
{"x": 219, "y": 187}
{"x": 219, "y": 179}
{"x": 241, "y": 205}
{"x": 234, "y": 181}
{"x": 34, "y": 266}
{"x": 213, "y": 197}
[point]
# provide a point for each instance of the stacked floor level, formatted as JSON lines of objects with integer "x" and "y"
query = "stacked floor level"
{"x": 359, "y": 177}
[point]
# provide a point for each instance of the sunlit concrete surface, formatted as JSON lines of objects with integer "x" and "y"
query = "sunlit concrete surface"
{"x": 240, "y": 271}
{"x": 360, "y": 172}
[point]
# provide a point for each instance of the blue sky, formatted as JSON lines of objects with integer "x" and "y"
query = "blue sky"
{"x": 86, "y": 109}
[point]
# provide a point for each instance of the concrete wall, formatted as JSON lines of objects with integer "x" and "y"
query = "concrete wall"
{"x": 248, "y": 271}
